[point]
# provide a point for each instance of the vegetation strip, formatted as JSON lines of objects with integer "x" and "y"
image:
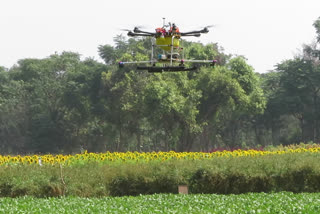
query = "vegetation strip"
{"x": 295, "y": 172}
{"x": 144, "y": 156}
{"x": 284, "y": 202}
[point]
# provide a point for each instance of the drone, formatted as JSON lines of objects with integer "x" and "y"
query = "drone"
{"x": 168, "y": 39}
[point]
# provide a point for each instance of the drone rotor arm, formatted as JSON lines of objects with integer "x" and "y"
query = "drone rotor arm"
{"x": 196, "y": 32}
{"x": 148, "y": 33}
{"x": 137, "y": 30}
{"x": 193, "y": 34}
{"x": 130, "y": 33}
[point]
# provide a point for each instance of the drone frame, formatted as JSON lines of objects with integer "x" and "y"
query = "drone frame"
{"x": 163, "y": 58}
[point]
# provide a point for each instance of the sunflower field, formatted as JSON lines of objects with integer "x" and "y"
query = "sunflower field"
{"x": 108, "y": 157}
{"x": 292, "y": 168}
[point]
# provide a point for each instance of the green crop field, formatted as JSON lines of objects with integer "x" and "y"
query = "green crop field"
{"x": 283, "y": 202}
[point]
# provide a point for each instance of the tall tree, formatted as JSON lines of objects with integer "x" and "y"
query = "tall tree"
{"x": 300, "y": 84}
{"x": 171, "y": 102}
{"x": 228, "y": 93}
{"x": 13, "y": 116}
{"x": 316, "y": 24}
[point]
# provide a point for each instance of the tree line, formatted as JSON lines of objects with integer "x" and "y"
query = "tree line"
{"x": 62, "y": 104}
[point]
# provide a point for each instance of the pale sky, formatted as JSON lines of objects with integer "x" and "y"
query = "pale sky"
{"x": 266, "y": 32}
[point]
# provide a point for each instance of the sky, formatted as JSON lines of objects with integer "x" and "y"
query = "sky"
{"x": 266, "y": 32}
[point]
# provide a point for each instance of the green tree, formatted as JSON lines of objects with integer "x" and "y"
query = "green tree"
{"x": 2, "y": 69}
{"x": 123, "y": 98}
{"x": 171, "y": 102}
{"x": 13, "y": 117}
{"x": 316, "y": 24}
{"x": 65, "y": 104}
{"x": 61, "y": 103}
{"x": 228, "y": 94}
{"x": 300, "y": 84}
{"x": 83, "y": 107}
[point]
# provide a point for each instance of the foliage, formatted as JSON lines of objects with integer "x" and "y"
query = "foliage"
{"x": 284, "y": 202}
{"x": 65, "y": 104}
{"x": 316, "y": 24}
{"x": 134, "y": 157}
{"x": 292, "y": 93}
{"x": 117, "y": 174}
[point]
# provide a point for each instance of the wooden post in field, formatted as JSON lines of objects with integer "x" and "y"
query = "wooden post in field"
{"x": 183, "y": 189}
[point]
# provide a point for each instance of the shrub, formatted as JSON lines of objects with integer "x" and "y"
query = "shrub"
{"x": 296, "y": 172}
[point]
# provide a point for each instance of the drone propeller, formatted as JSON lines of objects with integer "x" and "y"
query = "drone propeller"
{"x": 135, "y": 27}
{"x": 209, "y": 26}
{"x": 125, "y": 30}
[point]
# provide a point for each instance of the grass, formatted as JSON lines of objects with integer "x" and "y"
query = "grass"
{"x": 283, "y": 202}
